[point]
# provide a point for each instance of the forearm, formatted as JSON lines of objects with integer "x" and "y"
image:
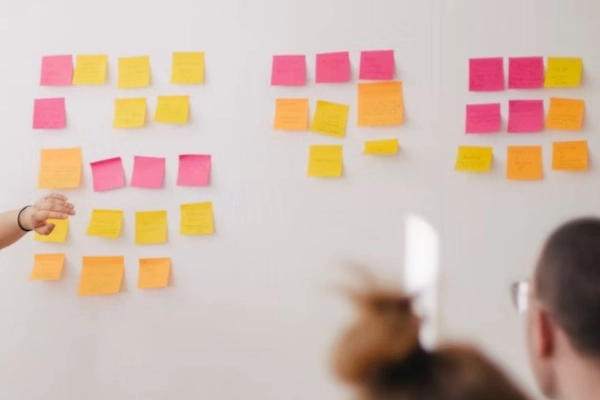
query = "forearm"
{"x": 10, "y": 232}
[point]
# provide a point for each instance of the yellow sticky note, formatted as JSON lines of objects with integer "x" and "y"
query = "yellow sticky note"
{"x": 197, "y": 219}
{"x": 382, "y": 147}
{"x": 570, "y": 156}
{"x": 474, "y": 159}
{"x": 188, "y": 68}
{"x": 565, "y": 114}
{"x": 130, "y": 113}
{"x": 47, "y": 267}
{"x": 291, "y": 115}
{"x": 58, "y": 235}
{"x": 134, "y": 72}
{"x": 106, "y": 223}
{"x": 101, "y": 275}
{"x": 563, "y": 72}
{"x": 380, "y": 104}
{"x": 60, "y": 168}
{"x": 172, "y": 109}
{"x": 150, "y": 227}
{"x": 154, "y": 273}
{"x": 325, "y": 161}
{"x": 524, "y": 163}
{"x": 90, "y": 70}
{"x": 330, "y": 119}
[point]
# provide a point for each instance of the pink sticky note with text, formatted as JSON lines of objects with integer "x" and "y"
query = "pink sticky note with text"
{"x": 148, "y": 172}
{"x": 486, "y": 74}
{"x": 57, "y": 71}
{"x": 377, "y": 65}
{"x": 525, "y": 72}
{"x": 194, "y": 170}
{"x": 49, "y": 113}
{"x": 333, "y": 67}
{"x": 483, "y": 118}
{"x": 288, "y": 71}
{"x": 108, "y": 174}
{"x": 525, "y": 116}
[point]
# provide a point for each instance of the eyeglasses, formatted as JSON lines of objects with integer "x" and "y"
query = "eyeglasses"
{"x": 520, "y": 294}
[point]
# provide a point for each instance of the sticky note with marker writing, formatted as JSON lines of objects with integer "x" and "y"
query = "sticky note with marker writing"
{"x": 47, "y": 267}
{"x": 524, "y": 163}
{"x": 194, "y": 170}
{"x": 483, "y": 118}
{"x": 563, "y": 72}
{"x": 130, "y": 113}
{"x": 486, "y": 74}
{"x": 380, "y": 104}
{"x": 377, "y": 65}
{"x": 565, "y": 114}
{"x": 197, "y": 219}
{"x": 49, "y": 113}
{"x": 525, "y": 72}
{"x": 57, "y": 71}
{"x": 108, "y": 174}
{"x": 90, "y": 70}
{"x": 330, "y": 119}
{"x": 58, "y": 235}
{"x": 60, "y": 168}
{"x": 154, "y": 273}
{"x": 291, "y": 115}
{"x": 525, "y": 116}
{"x": 148, "y": 172}
{"x": 172, "y": 109}
{"x": 325, "y": 161}
{"x": 134, "y": 72}
{"x": 101, "y": 275}
{"x": 474, "y": 158}
{"x": 570, "y": 156}
{"x": 288, "y": 70}
{"x": 106, "y": 223}
{"x": 333, "y": 67}
{"x": 382, "y": 147}
{"x": 187, "y": 68}
{"x": 150, "y": 227}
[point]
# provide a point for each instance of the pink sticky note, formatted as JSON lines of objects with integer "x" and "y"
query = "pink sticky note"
{"x": 525, "y": 73}
{"x": 288, "y": 71}
{"x": 49, "y": 113}
{"x": 486, "y": 74}
{"x": 483, "y": 118}
{"x": 194, "y": 170}
{"x": 148, "y": 172}
{"x": 377, "y": 65}
{"x": 333, "y": 67}
{"x": 525, "y": 116}
{"x": 57, "y": 71}
{"x": 108, "y": 174}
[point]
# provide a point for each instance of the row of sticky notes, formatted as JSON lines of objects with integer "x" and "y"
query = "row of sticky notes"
{"x": 526, "y": 116}
{"x": 525, "y": 162}
{"x": 487, "y": 74}
{"x": 290, "y": 70}
{"x": 134, "y": 72}
{"x": 103, "y": 275}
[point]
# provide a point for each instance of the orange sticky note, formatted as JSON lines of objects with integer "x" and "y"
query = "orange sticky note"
{"x": 380, "y": 104}
{"x": 154, "y": 273}
{"x": 47, "y": 267}
{"x": 60, "y": 168}
{"x": 570, "y": 156}
{"x": 524, "y": 163}
{"x": 101, "y": 275}
{"x": 565, "y": 114}
{"x": 291, "y": 115}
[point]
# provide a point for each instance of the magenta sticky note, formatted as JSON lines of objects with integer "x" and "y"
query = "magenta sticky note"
{"x": 483, "y": 118}
{"x": 148, "y": 172}
{"x": 49, "y": 113}
{"x": 333, "y": 67}
{"x": 377, "y": 65}
{"x": 525, "y": 116}
{"x": 288, "y": 70}
{"x": 525, "y": 72}
{"x": 486, "y": 74}
{"x": 194, "y": 170}
{"x": 57, "y": 71}
{"x": 108, "y": 174}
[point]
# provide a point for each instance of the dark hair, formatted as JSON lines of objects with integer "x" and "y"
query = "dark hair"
{"x": 567, "y": 282}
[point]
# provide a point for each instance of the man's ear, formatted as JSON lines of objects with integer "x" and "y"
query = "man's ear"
{"x": 544, "y": 334}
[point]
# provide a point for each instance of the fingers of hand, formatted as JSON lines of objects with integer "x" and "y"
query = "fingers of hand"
{"x": 56, "y": 196}
{"x": 45, "y": 230}
{"x": 57, "y": 205}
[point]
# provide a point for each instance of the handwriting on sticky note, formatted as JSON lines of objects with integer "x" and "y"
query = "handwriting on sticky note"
{"x": 325, "y": 161}
{"x": 291, "y": 115}
{"x": 134, "y": 72}
{"x": 101, "y": 275}
{"x": 154, "y": 273}
{"x": 58, "y": 235}
{"x": 288, "y": 70}
{"x": 106, "y": 223}
{"x": 486, "y": 74}
{"x": 382, "y": 147}
{"x": 130, "y": 113}
{"x": 377, "y": 65}
{"x": 197, "y": 219}
{"x": 60, "y": 168}
{"x": 49, "y": 113}
{"x": 333, "y": 67}
{"x": 148, "y": 172}
{"x": 108, "y": 174}
{"x": 570, "y": 156}
{"x": 172, "y": 109}
{"x": 188, "y": 68}
{"x": 563, "y": 72}
{"x": 474, "y": 159}
{"x": 330, "y": 119}
{"x": 380, "y": 104}
{"x": 150, "y": 227}
{"x": 565, "y": 114}
{"x": 525, "y": 116}
{"x": 47, "y": 267}
{"x": 525, "y": 72}
{"x": 483, "y": 118}
{"x": 57, "y": 71}
{"x": 90, "y": 70}
{"x": 194, "y": 170}
{"x": 524, "y": 163}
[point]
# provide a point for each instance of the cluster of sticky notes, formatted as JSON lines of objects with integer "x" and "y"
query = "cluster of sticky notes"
{"x": 131, "y": 112}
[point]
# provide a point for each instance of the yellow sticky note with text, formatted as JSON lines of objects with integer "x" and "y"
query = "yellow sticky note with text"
{"x": 154, "y": 273}
{"x": 47, "y": 267}
{"x": 106, "y": 223}
{"x": 130, "y": 113}
{"x": 325, "y": 161}
{"x": 90, "y": 70}
{"x": 330, "y": 119}
{"x": 101, "y": 275}
{"x": 563, "y": 72}
{"x": 524, "y": 163}
{"x": 188, "y": 68}
{"x": 570, "y": 156}
{"x": 291, "y": 115}
{"x": 134, "y": 72}
{"x": 382, "y": 147}
{"x": 197, "y": 219}
{"x": 474, "y": 159}
{"x": 58, "y": 235}
{"x": 380, "y": 104}
{"x": 150, "y": 227}
{"x": 172, "y": 109}
{"x": 60, "y": 168}
{"x": 565, "y": 114}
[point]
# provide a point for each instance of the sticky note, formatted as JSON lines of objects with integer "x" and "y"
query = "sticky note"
{"x": 563, "y": 72}
{"x": 380, "y": 104}
{"x": 187, "y": 68}
{"x": 90, "y": 70}
{"x": 154, "y": 273}
{"x": 49, "y": 113}
{"x": 570, "y": 156}
{"x": 148, "y": 172}
{"x": 325, "y": 161}
{"x": 47, "y": 267}
{"x": 333, "y": 67}
{"x": 291, "y": 115}
{"x": 486, "y": 74}
{"x": 130, "y": 113}
{"x": 382, "y": 147}
{"x": 108, "y": 174}
{"x": 330, "y": 119}
{"x": 483, "y": 118}
{"x": 60, "y": 168}
{"x": 150, "y": 227}
{"x": 101, "y": 275}
{"x": 565, "y": 114}
{"x": 197, "y": 219}
{"x": 474, "y": 159}
{"x": 288, "y": 70}
{"x": 525, "y": 116}
{"x": 58, "y": 235}
{"x": 134, "y": 72}
{"x": 524, "y": 163}
{"x": 57, "y": 71}
{"x": 194, "y": 170}
{"x": 106, "y": 223}
{"x": 377, "y": 65}
{"x": 525, "y": 72}
{"x": 172, "y": 109}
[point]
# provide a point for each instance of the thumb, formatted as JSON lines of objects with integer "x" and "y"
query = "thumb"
{"x": 46, "y": 229}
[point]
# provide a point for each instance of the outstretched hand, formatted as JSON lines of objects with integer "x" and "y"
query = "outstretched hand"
{"x": 52, "y": 206}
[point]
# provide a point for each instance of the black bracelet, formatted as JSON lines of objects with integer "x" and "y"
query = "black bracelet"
{"x": 19, "y": 219}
